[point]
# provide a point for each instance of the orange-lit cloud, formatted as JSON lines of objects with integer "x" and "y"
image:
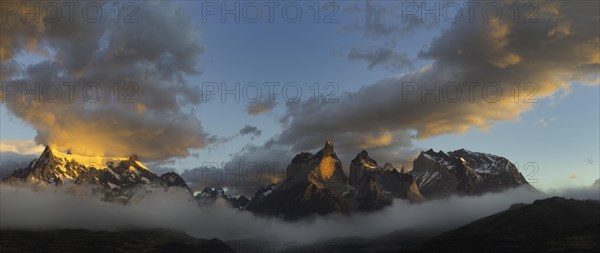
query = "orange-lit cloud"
{"x": 149, "y": 118}
{"x": 544, "y": 58}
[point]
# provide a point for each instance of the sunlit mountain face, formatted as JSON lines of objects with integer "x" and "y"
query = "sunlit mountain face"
{"x": 299, "y": 126}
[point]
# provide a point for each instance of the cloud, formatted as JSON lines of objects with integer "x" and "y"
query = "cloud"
{"x": 175, "y": 210}
{"x": 250, "y": 130}
{"x": 146, "y": 113}
{"x": 384, "y": 57}
{"x": 17, "y": 154}
{"x": 590, "y": 192}
{"x": 386, "y": 20}
{"x": 545, "y": 122}
{"x": 22, "y": 147}
{"x": 259, "y": 107}
{"x": 474, "y": 71}
{"x": 217, "y": 141}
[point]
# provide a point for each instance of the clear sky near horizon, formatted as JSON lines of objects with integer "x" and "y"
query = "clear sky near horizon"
{"x": 560, "y": 133}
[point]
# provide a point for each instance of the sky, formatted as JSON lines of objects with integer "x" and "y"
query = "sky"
{"x": 363, "y": 56}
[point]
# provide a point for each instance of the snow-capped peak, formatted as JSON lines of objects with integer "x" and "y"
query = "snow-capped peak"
{"x": 96, "y": 162}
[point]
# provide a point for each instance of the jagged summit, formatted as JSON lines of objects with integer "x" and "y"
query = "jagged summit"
{"x": 58, "y": 158}
{"x": 211, "y": 195}
{"x": 432, "y": 153}
{"x": 316, "y": 184}
{"x": 364, "y": 159}
{"x": 388, "y": 166}
{"x": 133, "y": 157}
{"x": 323, "y": 166}
{"x": 116, "y": 177}
{"x": 361, "y": 168}
{"x": 381, "y": 183}
{"x": 328, "y": 144}
{"x": 327, "y": 151}
{"x": 47, "y": 149}
{"x": 440, "y": 174}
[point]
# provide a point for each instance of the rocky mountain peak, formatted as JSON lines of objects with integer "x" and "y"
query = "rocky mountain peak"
{"x": 314, "y": 184}
{"x": 117, "y": 177}
{"x": 319, "y": 168}
{"x": 49, "y": 153}
{"x": 133, "y": 158}
{"x": 328, "y": 144}
{"x": 388, "y": 166}
{"x": 365, "y": 160}
{"x": 363, "y": 154}
{"x": 47, "y": 150}
{"x": 440, "y": 174}
{"x": 432, "y": 153}
{"x": 327, "y": 151}
{"x": 381, "y": 184}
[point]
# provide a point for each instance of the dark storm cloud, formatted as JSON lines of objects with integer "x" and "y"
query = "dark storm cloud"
{"x": 148, "y": 117}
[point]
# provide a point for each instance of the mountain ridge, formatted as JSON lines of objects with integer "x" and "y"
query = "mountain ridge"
{"x": 117, "y": 179}
{"x": 314, "y": 184}
{"x": 464, "y": 172}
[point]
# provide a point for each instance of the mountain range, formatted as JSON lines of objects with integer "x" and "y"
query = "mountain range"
{"x": 462, "y": 172}
{"x": 315, "y": 184}
{"x": 114, "y": 179}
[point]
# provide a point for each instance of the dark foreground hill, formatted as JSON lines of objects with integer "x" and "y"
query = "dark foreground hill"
{"x": 125, "y": 241}
{"x": 548, "y": 225}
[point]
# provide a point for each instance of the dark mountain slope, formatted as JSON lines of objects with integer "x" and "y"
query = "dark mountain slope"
{"x": 61, "y": 241}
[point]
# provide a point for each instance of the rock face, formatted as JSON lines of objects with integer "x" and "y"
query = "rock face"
{"x": 463, "y": 172}
{"x": 316, "y": 184}
{"x": 210, "y": 196}
{"x": 365, "y": 171}
{"x": 323, "y": 169}
{"x": 112, "y": 178}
